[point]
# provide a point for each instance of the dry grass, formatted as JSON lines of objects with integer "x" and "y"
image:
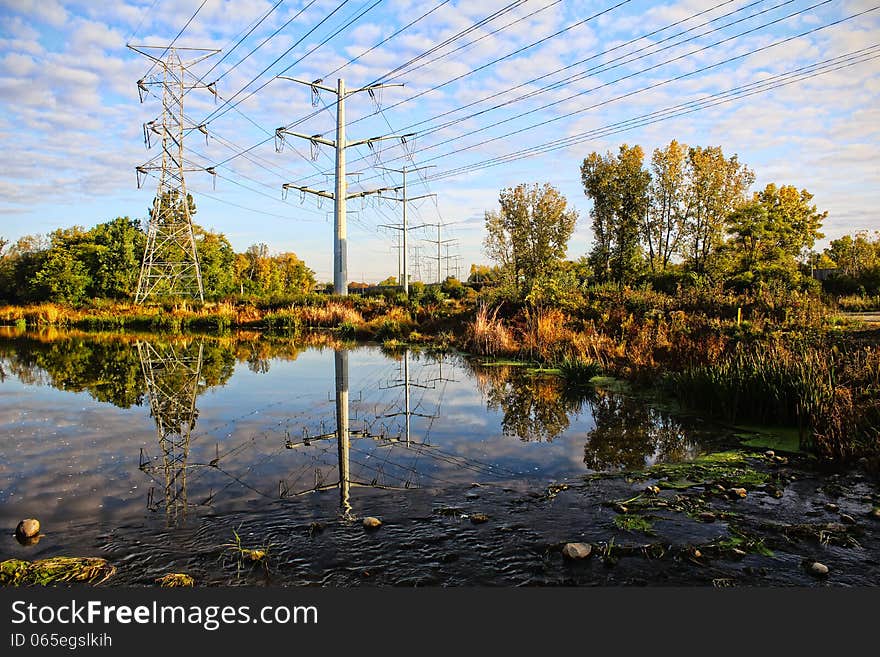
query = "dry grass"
{"x": 488, "y": 336}
{"x": 330, "y": 315}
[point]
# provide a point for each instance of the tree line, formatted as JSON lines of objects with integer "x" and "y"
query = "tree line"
{"x": 74, "y": 265}
{"x": 686, "y": 215}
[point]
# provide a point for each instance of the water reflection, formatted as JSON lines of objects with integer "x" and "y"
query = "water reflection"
{"x": 630, "y": 433}
{"x": 172, "y": 376}
{"x": 534, "y": 407}
{"x": 276, "y": 425}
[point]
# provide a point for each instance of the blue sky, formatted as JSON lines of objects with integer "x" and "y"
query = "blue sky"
{"x": 71, "y": 121}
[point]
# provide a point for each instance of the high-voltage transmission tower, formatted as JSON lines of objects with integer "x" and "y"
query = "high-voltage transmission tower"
{"x": 170, "y": 264}
{"x": 404, "y": 227}
{"x": 340, "y": 196}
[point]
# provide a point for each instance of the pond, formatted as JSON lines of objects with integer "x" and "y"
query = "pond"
{"x": 158, "y": 450}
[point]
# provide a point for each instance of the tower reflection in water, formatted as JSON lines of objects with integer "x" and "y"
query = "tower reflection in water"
{"x": 384, "y": 439}
{"x": 172, "y": 374}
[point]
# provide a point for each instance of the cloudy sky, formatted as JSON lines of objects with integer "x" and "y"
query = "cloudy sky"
{"x": 790, "y": 86}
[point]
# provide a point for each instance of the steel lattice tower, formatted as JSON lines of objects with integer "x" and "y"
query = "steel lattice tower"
{"x": 170, "y": 264}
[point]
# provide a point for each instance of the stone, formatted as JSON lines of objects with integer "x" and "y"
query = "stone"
{"x": 876, "y": 512}
{"x": 832, "y": 507}
{"x": 818, "y": 568}
{"x": 769, "y": 453}
{"x": 740, "y": 492}
{"x": 739, "y": 553}
{"x": 777, "y": 493}
{"x": 28, "y": 540}
{"x": 28, "y": 528}
{"x": 477, "y": 518}
{"x": 707, "y": 516}
{"x": 371, "y": 523}
{"x": 620, "y": 508}
{"x": 653, "y": 490}
{"x": 848, "y": 519}
{"x": 697, "y": 553}
{"x": 576, "y": 550}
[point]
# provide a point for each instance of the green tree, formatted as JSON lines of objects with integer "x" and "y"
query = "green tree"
{"x": 664, "y": 221}
{"x": 217, "y": 262}
{"x": 64, "y": 274}
{"x": 119, "y": 250}
{"x": 772, "y": 230}
{"x": 294, "y": 276}
{"x": 854, "y": 254}
{"x": 618, "y": 188}
{"x": 716, "y": 185}
{"x": 19, "y": 265}
{"x": 529, "y": 235}
{"x": 256, "y": 272}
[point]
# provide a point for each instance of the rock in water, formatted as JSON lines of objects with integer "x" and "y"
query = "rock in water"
{"x": 818, "y": 568}
{"x": 28, "y": 528}
{"x": 741, "y": 492}
{"x": 576, "y": 550}
{"x": 479, "y": 517}
{"x": 371, "y": 523}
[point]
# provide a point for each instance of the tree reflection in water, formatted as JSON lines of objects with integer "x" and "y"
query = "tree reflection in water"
{"x": 535, "y": 407}
{"x": 628, "y": 432}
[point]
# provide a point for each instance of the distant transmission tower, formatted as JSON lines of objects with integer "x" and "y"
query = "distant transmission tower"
{"x": 170, "y": 265}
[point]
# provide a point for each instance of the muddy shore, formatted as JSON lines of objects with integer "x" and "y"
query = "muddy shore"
{"x": 735, "y": 518}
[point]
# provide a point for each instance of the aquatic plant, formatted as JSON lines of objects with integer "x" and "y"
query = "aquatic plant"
{"x": 55, "y": 570}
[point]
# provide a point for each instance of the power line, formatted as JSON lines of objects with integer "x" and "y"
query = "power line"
{"x": 447, "y": 41}
{"x": 214, "y": 114}
{"x": 387, "y": 39}
{"x": 455, "y": 37}
{"x": 477, "y": 40}
{"x": 250, "y": 30}
{"x": 141, "y": 21}
{"x": 628, "y": 94}
{"x": 736, "y": 93}
{"x": 174, "y": 40}
{"x": 601, "y": 68}
{"x": 605, "y": 66}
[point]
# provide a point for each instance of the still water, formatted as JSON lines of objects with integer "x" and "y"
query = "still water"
{"x": 100, "y": 433}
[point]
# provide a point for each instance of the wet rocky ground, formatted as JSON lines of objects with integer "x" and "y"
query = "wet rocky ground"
{"x": 728, "y": 519}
